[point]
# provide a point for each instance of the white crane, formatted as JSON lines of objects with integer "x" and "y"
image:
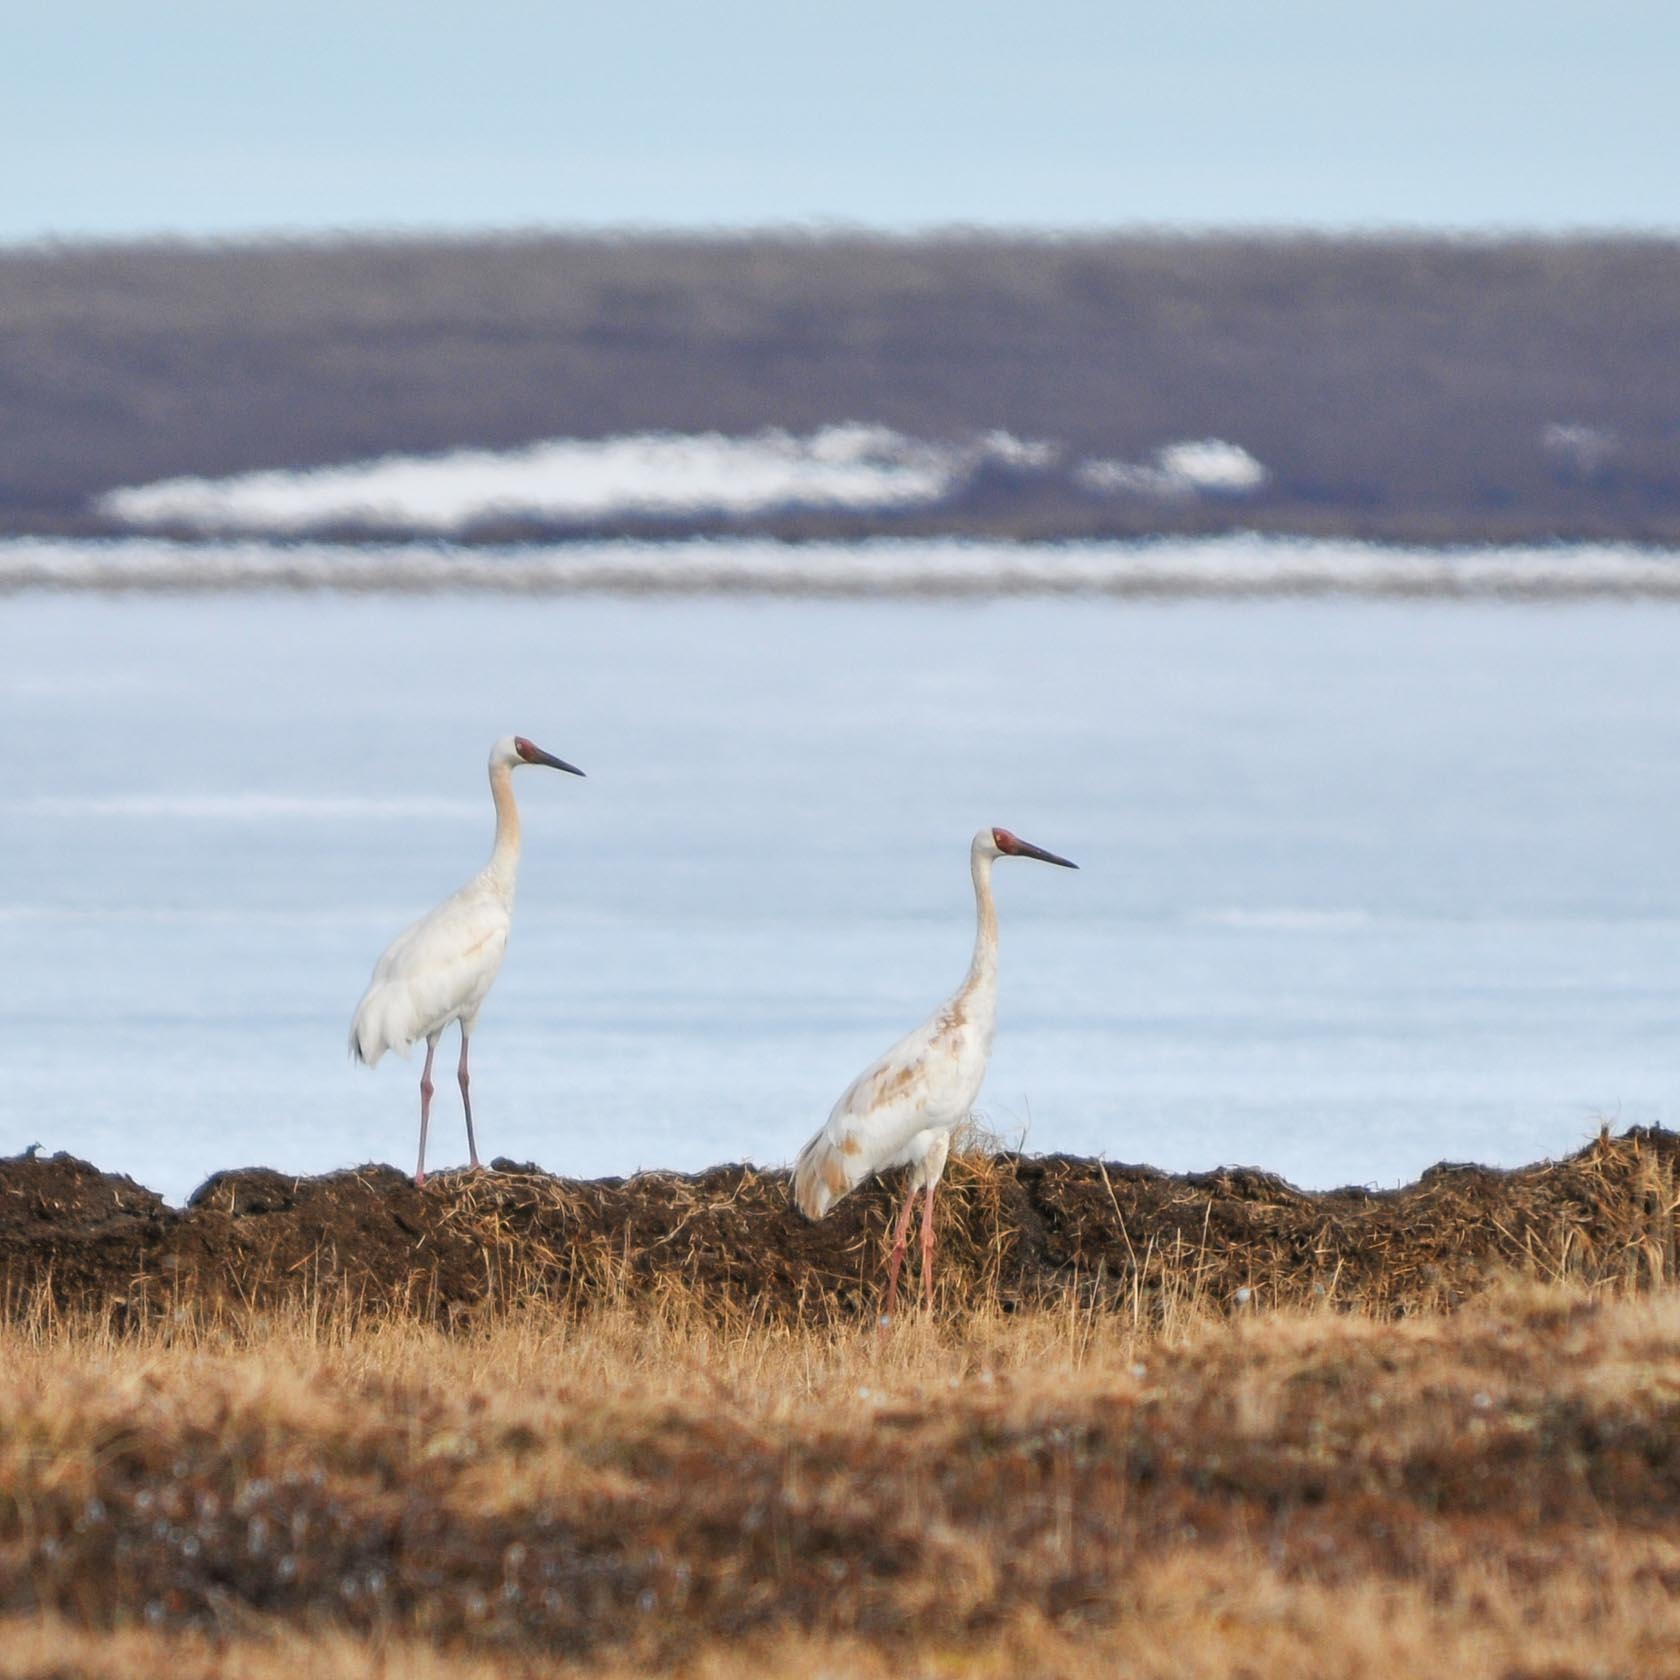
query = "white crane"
{"x": 901, "y": 1111}
{"x": 441, "y": 969}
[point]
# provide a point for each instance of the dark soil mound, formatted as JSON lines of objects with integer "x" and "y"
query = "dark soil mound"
{"x": 1011, "y": 1228}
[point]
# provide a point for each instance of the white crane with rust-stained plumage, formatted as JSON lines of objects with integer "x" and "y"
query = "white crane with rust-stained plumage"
{"x": 441, "y": 969}
{"x": 901, "y": 1112}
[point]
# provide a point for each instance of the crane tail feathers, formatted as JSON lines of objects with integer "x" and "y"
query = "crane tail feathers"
{"x": 375, "y": 1030}
{"x": 820, "y": 1177}
{"x": 366, "y": 1054}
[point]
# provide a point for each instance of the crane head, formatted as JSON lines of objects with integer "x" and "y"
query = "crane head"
{"x": 1009, "y": 846}
{"x": 530, "y": 753}
{"x": 515, "y": 750}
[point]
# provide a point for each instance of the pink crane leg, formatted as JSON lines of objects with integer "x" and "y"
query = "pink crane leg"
{"x": 896, "y": 1258}
{"x": 466, "y": 1102}
{"x": 425, "y": 1109}
{"x": 927, "y": 1248}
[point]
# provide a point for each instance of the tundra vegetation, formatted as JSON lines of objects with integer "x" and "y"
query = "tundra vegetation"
{"x": 1445, "y": 1450}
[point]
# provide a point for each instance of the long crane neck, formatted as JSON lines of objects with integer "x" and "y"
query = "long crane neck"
{"x": 503, "y": 867}
{"x": 982, "y": 971}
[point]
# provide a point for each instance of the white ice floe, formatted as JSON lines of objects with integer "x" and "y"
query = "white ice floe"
{"x": 1200, "y": 466}
{"x": 1242, "y": 564}
{"x": 578, "y": 479}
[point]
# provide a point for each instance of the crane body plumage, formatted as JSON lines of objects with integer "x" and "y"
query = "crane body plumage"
{"x": 922, "y": 1088}
{"x": 903, "y": 1108}
{"x": 440, "y": 969}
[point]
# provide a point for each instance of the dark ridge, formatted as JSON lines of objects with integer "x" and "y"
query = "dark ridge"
{"x": 1013, "y": 1229}
{"x": 1429, "y": 389}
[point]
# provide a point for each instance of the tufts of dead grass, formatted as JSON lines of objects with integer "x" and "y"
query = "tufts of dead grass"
{"x": 1221, "y": 1615}
{"x": 1062, "y": 1489}
{"x": 1015, "y": 1233}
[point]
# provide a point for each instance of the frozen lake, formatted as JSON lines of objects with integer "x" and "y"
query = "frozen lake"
{"x": 1364, "y": 884}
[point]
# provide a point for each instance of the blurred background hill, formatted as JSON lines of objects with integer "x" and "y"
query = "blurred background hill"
{"x": 1424, "y": 388}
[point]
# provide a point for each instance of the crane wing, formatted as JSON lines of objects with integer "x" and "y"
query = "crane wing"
{"x": 929, "y": 1078}
{"x": 432, "y": 973}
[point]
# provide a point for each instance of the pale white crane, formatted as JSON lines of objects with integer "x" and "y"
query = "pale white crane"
{"x": 901, "y": 1111}
{"x": 441, "y": 969}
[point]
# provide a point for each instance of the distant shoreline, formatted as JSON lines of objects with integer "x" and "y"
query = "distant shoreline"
{"x": 1245, "y": 565}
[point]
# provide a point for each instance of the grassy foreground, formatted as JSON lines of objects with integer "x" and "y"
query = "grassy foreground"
{"x": 647, "y": 1487}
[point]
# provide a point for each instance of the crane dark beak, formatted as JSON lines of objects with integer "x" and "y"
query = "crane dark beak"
{"x": 538, "y": 756}
{"x": 1024, "y": 848}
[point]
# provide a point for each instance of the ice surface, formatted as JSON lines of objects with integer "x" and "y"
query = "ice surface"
{"x": 1364, "y": 883}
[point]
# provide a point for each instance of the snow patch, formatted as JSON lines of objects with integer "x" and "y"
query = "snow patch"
{"x": 650, "y": 473}
{"x": 1200, "y": 466}
{"x": 1579, "y": 451}
{"x": 1212, "y": 464}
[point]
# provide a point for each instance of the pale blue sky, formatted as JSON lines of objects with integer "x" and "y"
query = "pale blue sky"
{"x": 118, "y": 117}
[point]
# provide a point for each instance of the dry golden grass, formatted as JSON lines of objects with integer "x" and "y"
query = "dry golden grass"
{"x": 657, "y": 1487}
{"x": 1218, "y": 1618}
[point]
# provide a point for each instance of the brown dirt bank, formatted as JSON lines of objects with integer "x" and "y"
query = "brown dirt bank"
{"x": 1012, "y": 1229}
